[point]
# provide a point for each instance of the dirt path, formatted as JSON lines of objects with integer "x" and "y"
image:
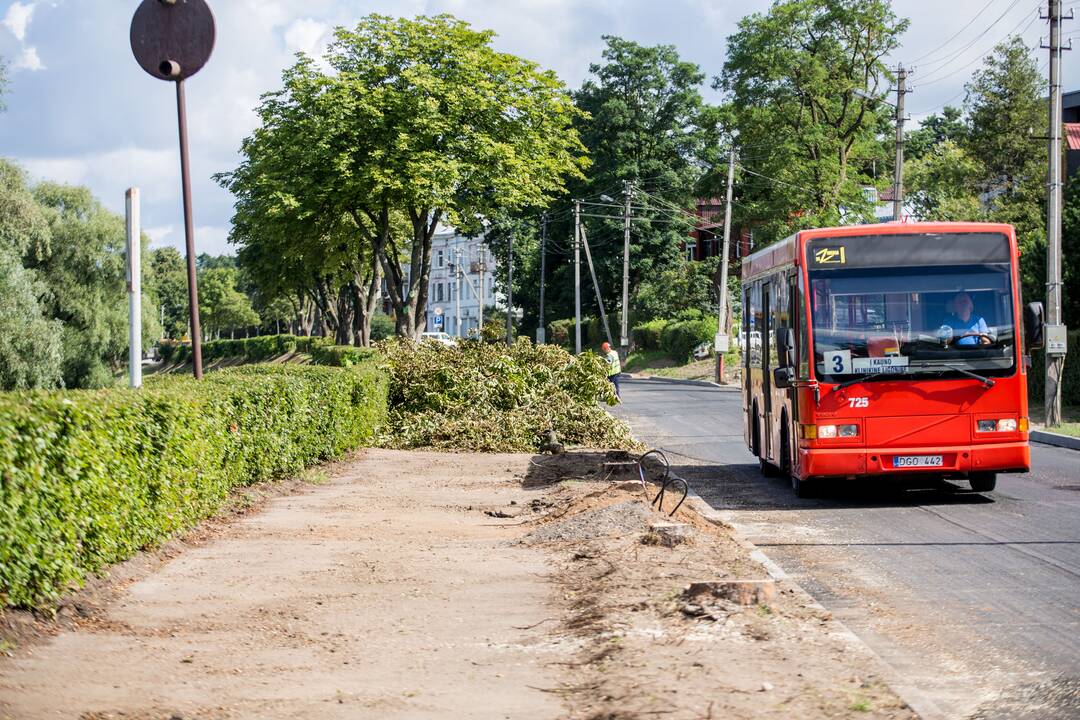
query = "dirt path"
{"x": 391, "y": 591}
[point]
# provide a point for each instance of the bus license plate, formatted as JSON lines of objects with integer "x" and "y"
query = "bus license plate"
{"x": 916, "y": 461}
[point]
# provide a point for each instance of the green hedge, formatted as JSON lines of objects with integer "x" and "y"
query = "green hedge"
{"x": 678, "y": 339}
{"x": 90, "y": 477}
{"x": 1070, "y": 382}
{"x": 646, "y": 336}
{"x": 253, "y": 349}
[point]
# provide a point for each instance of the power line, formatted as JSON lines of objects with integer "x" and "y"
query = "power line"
{"x": 957, "y": 34}
{"x": 954, "y": 55}
{"x": 1015, "y": 31}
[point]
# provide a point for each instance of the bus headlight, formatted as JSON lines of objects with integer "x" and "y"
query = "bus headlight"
{"x": 1003, "y": 425}
{"x": 828, "y": 432}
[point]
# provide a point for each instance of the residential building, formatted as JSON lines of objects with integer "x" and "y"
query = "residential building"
{"x": 449, "y": 251}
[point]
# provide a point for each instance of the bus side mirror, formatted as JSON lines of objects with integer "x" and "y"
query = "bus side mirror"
{"x": 783, "y": 377}
{"x": 1034, "y": 326}
{"x": 785, "y": 347}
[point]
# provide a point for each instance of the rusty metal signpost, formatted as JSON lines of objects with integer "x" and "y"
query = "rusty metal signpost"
{"x": 172, "y": 40}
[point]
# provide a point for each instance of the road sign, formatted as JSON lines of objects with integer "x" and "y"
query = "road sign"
{"x": 437, "y": 321}
{"x": 721, "y": 342}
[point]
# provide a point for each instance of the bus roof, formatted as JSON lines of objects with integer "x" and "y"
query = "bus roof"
{"x": 787, "y": 251}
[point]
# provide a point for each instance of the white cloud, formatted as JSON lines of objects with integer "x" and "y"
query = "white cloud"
{"x": 28, "y": 60}
{"x": 306, "y": 35}
{"x": 18, "y": 19}
{"x": 213, "y": 239}
{"x": 160, "y": 236}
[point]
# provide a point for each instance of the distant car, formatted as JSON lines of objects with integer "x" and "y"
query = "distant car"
{"x": 440, "y": 337}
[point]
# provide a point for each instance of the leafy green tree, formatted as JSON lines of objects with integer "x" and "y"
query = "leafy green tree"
{"x": 934, "y": 130}
{"x": 24, "y": 228}
{"x": 222, "y": 306}
{"x": 1070, "y": 250}
{"x": 419, "y": 123}
{"x": 169, "y": 273}
{"x": 791, "y": 78}
{"x": 1005, "y": 102}
{"x": 942, "y": 184}
{"x": 30, "y": 351}
{"x": 84, "y": 271}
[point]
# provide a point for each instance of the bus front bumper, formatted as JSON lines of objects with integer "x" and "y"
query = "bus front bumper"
{"x": 955, "y": 460}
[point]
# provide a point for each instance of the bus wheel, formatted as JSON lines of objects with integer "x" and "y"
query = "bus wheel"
{"x": 801, "y": 488}
{"x": 983, "y": 482}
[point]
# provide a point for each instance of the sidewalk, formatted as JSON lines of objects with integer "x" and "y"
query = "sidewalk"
{"x": 437, "y": 585}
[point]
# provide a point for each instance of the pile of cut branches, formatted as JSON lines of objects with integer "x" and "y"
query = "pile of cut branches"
{"x": 494, "y": 398}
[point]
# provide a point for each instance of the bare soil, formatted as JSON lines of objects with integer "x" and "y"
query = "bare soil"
{"x": 417, "y": 585}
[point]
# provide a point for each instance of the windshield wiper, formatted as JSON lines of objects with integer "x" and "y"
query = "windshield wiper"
{"x": 987, "y": 382}
{"x": 871, "y": 377}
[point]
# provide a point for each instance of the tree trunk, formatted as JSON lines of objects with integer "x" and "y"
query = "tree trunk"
{"x": 409, "y": 295}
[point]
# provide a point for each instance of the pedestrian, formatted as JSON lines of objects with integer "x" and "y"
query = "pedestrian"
{"x": 614, "y": 366}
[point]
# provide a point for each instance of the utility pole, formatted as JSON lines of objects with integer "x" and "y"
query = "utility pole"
{"x": 541, "y": 332}
{"x": 624, "y": 339}
{"x": 510, "y": 289}
{"x": 1055, "y": 330}
{"x": 898, "y": 178}
{"x": 457, "y": 288}
{"x": 482, "y": 265}
{"x": 577, "y": 277}
{"x": 721, "y": 344}
{"x": 134, "y": 287}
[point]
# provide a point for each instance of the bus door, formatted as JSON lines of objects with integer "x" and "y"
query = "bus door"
{"x": 766, "y": 370}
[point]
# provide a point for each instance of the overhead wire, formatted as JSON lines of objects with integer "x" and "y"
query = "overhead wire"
{"x": 970, "y": 22}
{"x": 950, "y": 57}
{"x": 1015, "y": 31}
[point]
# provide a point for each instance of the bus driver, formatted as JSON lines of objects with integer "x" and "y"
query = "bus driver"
{"x": 971, "y": 329}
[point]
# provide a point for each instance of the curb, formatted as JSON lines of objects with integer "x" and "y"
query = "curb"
{"x": 923, "y": 706}
{"x": 677, "y": 381}
{"x": 1056, "y": 439}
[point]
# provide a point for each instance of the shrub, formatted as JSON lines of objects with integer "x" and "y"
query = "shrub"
{"x": 494, "y": 398}
{"x": 678, "y": 339}
{"x": 646, "y": 336}
{"x": 90, "y": 477}
{"x": 341, "y": 355}
{"x": 382, "y": 327}
{"x": 561, "y": 332}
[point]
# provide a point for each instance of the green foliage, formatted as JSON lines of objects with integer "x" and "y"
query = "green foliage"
{"x": 90, "y": 477}
{"x": 684, "y": 284}
{"x": 382, "y": 327}
{"x": 341, "y": 355}
{"x": 1005, "y": 99}
{"x": 1070, "y": 380}
{"x": 646, "y": 336}
{"x": 934, "y": 130}
{"x": 561, "y": 333}
{"x": 494, "y": 398}
{"x": 791, "y": 76}
{"x": 30, "y": 351}
{"x": 222, "y": 306}
{"x": 678, "y": 339}
{"x": 942, "y": 184}
{"x": 264, "y": 347}
{"x": 169, "y": 273}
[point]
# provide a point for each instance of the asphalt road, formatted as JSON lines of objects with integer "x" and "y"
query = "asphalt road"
{"x": 972, "y": 600}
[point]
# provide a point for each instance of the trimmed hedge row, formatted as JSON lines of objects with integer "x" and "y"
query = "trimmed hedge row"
{"x": 323, "y": 351}
{"x": 1070, "y": 381}
{"x": 675, "y": 338}
{"x": 251, "y": 349}
{"x": 90, "y": 477}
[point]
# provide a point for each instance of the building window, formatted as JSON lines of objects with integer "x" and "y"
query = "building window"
{"x": 440, "y": 261}
{"x": 439, "y": 291}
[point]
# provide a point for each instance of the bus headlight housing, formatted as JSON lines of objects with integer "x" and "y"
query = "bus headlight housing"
{"x": 828, "y": 432}
{"x": 1002, "y": 425}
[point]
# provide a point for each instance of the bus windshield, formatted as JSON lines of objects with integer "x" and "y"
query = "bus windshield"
{"x": 914, "y": 321}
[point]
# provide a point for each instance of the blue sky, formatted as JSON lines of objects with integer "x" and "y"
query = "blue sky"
{"x": 81, "y": 111}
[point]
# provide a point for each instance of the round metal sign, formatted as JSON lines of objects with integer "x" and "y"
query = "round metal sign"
{"x": 172, "y": 39}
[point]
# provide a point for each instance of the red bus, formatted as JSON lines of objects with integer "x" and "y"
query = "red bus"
{"x": 888, "y": 351}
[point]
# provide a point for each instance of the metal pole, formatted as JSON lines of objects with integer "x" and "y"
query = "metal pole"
{"x": 1055, "y": 364}
{"x": 624, "y": 335}
{"x": 189, "y": 235}
{"x": 898, "y": 178}
{"x": 134, "y": 282}
{"x": 457, "y": 298}
{"x": 721, "y": 315}
{"x": 596, "y": 287}
{"x": 577, "y": 277}
{"x": 510, "y": 289}
{"x": 482, "y": 266}
{"x": 541, "y": 332}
